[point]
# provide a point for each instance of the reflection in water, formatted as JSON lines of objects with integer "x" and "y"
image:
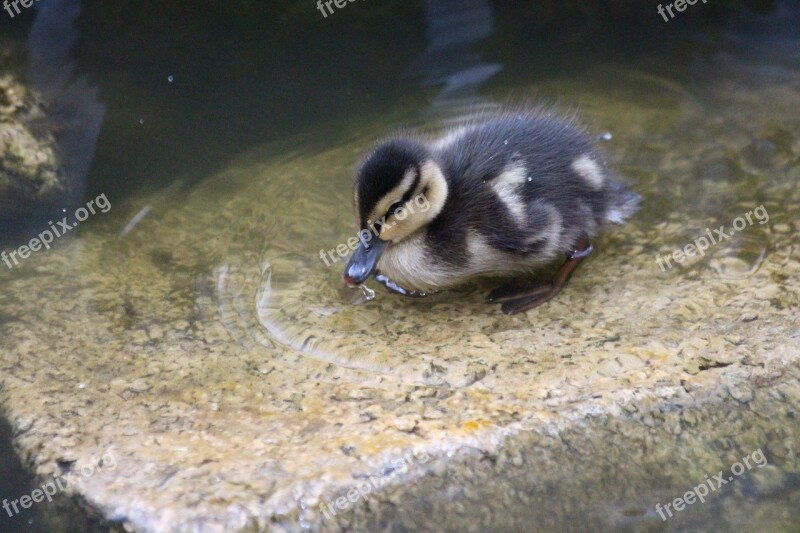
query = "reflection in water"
{"x": 770, "y": 39}
{"x": 453, "y": 29}
{"x": 75, "y": 113}
{"x": 138, "y": 217}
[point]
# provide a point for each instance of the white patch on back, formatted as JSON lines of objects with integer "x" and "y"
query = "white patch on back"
{"x": 482, "y": 257}
{"x": 552, "y": 233}
{"x": 506, "y": 186}
{"x": 590, "y": 171}
{"x": 450, "y": 138}
{"x": 487, "y": 260}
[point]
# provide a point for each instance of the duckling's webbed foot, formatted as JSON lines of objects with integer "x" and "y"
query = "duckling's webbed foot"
{"x": 395, "y": 288}
{"x": 505, "y": 293}
{"x": 525, "y": 299}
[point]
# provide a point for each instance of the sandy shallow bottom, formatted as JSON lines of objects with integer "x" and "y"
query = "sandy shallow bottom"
{"x": 214, "y": 355}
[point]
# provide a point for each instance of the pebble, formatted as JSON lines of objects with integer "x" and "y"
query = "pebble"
{"x": 140, "y": 337}
{"x": 405, "y": 424}
{"x": 432, "y": 414}
{"x": 741, "y": 394}
{"x": 766, "y": 293}
{"x": 156, "y": 333}
{"x": 767, "y": 480}
{"x": 781, "y": 228}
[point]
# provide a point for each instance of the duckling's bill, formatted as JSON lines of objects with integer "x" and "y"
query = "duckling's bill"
{"x": 364, "y": 260}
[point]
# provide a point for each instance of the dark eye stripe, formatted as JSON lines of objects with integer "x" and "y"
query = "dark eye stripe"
{"x": 404, "y": 200}
{"x": 394, "y": 207}
{"x": 410, "y": 192}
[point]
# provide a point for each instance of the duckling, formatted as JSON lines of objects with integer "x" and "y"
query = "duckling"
{"x": 504, "y": 196}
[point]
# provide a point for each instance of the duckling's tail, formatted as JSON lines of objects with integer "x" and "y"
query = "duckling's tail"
{"x": 623, "y": 203}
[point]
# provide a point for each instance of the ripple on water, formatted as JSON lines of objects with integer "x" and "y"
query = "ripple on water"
{"x": 741, "y": 258}
{"x": 289, "y": 304}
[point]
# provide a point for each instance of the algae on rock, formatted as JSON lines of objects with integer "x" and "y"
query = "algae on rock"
{"x": 29, "y": 164}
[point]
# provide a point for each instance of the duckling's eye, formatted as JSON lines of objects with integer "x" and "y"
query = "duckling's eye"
{"x": 394, "y": 207}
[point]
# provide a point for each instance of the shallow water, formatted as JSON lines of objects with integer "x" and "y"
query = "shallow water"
{"x": 224, "y": 268}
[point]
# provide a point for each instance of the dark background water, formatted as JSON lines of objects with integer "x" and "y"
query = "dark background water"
{"x": 14, "y": 482}
{"x": 186, "y": 87}
{"x": 246, "y": 73}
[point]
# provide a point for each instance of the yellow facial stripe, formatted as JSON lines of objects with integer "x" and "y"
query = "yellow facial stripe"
{"x": 393, "y": 196}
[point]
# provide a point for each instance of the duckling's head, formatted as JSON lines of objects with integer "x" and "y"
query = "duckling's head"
{"x": 399, "y": 190}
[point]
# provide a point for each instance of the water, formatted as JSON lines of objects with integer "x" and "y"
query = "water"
{"x": 227, "y": 153}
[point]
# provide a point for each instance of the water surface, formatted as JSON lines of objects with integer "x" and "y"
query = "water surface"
{"x": 211, "y": 253}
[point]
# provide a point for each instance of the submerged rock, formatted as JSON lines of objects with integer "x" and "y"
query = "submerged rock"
{"x": 29, "y": 165}
{"x": 210, "y": 355}
{"x": 49, "y": 121}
